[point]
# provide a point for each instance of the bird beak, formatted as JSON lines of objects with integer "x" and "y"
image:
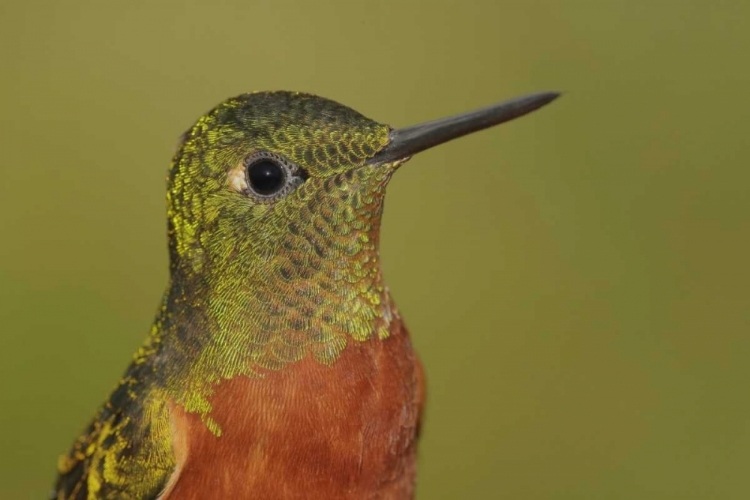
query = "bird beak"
{"x": 408, "y": 141}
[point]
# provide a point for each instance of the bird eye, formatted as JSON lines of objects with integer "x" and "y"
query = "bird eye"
{"x": 269, "y": 176}
{"x": 265, "y": 177}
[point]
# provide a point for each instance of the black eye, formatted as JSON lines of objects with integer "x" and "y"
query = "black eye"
{"x": 269, "y": 177}
{"x": 266, "y": 177}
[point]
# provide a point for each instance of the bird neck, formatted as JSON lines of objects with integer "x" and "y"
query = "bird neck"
{"x": 248, "y": 313}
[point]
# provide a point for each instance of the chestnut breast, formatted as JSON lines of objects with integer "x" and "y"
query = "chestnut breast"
{"x": 309, "y": 430}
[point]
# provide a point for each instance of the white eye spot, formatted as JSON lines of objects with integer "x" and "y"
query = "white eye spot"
{"x": 236, "y": 179}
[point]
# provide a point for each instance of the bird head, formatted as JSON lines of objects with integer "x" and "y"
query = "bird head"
{"x": 264, "y": 166}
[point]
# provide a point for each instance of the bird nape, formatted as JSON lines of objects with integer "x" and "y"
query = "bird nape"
{"x": 278, "y": 365}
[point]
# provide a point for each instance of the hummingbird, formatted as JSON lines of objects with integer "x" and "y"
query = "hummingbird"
{"x": 278, "y": 365}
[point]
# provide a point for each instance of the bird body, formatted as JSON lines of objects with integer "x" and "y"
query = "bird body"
{"x": 278, "y": 365}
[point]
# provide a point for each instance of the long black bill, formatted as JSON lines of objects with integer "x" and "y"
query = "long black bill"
{"x": 408, "y": 141}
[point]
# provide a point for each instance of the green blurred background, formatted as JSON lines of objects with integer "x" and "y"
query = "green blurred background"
{"x": 576, "y": 281}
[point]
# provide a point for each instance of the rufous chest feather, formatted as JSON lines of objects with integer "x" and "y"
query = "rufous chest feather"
{"x": 309, "y": 430}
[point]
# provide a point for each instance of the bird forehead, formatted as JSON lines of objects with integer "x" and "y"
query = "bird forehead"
{"x": 320, "y": 135}
{"x": 279, "y": 110}
{"x": 315, "y": 132}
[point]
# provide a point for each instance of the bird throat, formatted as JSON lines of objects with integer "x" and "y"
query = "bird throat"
{"x": 255, "y": 306}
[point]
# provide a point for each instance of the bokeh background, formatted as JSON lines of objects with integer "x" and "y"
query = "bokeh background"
{"x": 576, "y": 281}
